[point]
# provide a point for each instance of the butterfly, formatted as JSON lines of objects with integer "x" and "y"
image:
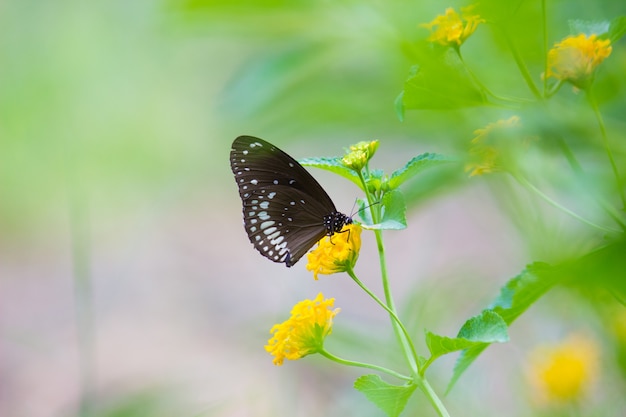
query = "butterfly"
{"x": 285, "y": 210}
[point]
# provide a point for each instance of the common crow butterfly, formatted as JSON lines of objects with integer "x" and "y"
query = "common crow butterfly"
{"x": 285, "y": 211}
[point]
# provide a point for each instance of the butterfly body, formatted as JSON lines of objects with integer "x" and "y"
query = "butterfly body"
{"x": 285, "y": 210}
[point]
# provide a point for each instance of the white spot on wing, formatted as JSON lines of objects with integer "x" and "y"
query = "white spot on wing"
{"x": 268, "y": 230}
{"x": 265, "y": 225}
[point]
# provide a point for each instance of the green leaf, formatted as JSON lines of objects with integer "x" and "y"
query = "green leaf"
{"x": 465, "y": 360}
{"x": 442, "y": 345}
{"x": 390, "y": 398}
{"x": 487, "y": 327}
{"x": 440, "y": 82}
{"x": 415, "y": 166}
{"x": 393, "y": 212}
{"x": 515, "y": 297}
{"x": 617, "y": 28}
{"x": 522, "y": 291}
{"x": 333, "y": 164}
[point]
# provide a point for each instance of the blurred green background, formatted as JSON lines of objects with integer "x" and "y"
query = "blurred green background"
{"x": 127, "y": 284}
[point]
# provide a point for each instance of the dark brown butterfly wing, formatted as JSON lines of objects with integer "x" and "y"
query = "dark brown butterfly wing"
{"x": 284, "y": 207}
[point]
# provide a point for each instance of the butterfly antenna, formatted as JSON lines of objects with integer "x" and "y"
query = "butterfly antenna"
{"x": 360, "y": 210}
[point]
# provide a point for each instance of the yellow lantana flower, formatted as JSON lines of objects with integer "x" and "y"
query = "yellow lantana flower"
{"x": 485, "y": 154}
{"x": 360, "y": 154}
{"x": 452, "y": 29}
{"x": 575, "y": 58}
{"x": 304, "y": 332}
{"x": 562, "y": 372}
{"x": 336, "y": 253}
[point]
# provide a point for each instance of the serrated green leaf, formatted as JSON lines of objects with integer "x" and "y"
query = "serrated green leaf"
{"x": 515, "y": 297}
{"x": 522, "y": 291}
{"x": 467, "y": 357}
{"x": 487, "y": 327}
{"x": 415, "y": 166}
{"x": 440, "y": 82}
{"x": 617, "y": 28}
{"x": 393, "y": 212}
{"x": 333, "y": 165}
{"x": 390, "y": 398}
{"x": 441, "y": 345}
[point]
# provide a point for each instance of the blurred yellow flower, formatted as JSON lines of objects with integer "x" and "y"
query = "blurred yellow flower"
{"x": 360, "y": 154}
{"x": 562, "y": 372}
{"x": 575, "y": 58}
{"x": 452, "y": 29}
{"x": 484, "y": 156}
{"x": 336, "y": 253}
{"x": 304, "y": 332}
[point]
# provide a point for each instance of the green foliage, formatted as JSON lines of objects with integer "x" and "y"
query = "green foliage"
{"x": 617, "y": 28}
{"x": 440, "y": 81}
{"x": 416, "y": 166}
{"x": 393, "y": 210}
{"x": 515, "y": 297}
{"x": 333, "y": 165}
{"x": 390, "y": 398}
{"x": 479, "y": 331}
{"x": 120, "y": 118}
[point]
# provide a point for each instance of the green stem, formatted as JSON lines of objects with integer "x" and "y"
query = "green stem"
{"x": 346, "y": 362}
{"x": 520, "y": 64}
{"x": 605, "y": 139}
{"x": 409, "y": 349}
{"x": 484, "y": 88}
{"x": 418, "y": 378}
{"x": 578, "y": 170}
{"x": 435, "y": 401}
{"x": 523, "y": 181}
{"x": 400, "y": 331}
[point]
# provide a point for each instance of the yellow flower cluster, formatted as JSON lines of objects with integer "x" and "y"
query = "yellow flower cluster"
{"x": 561, "y": 372}
{"x": 485, "y": 157}
{"x": 452, "y": 29}
{"x": 304, "y": 332}
{"x": 336, "y": 253}
{"x": 575, "y": 58}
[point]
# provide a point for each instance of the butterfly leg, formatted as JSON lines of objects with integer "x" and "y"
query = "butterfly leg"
{"x": 330, "y": 235}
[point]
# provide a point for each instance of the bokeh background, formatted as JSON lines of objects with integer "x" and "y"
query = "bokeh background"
{"x": 127, "y": 284}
